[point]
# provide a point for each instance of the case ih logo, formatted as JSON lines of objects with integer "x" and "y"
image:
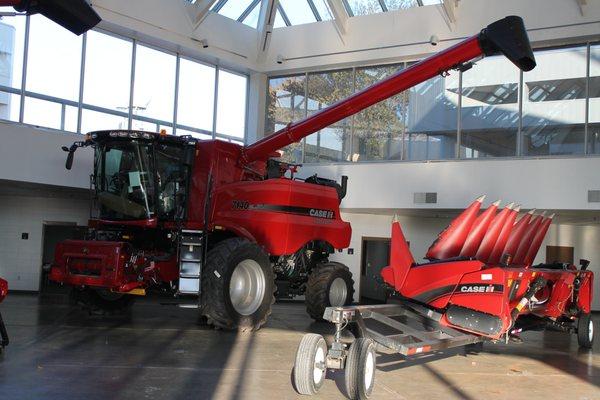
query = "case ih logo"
{"x": 327, "y": 214}
{"x": 475, "y": 288}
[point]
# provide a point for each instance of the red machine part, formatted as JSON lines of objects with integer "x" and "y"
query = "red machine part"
{"x": 487, "y": 292}
{"x": 3, "y": 289}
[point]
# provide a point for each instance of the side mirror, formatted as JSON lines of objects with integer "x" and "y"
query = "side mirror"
{"x": 69, "y": 162}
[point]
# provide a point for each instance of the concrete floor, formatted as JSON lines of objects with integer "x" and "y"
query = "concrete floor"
{"x": 160, "y": 352}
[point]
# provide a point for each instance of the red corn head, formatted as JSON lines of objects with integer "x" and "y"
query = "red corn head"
{"x": 516, "y": 235}
{"x": 537, "y": 240}
{"x": 527, "y": 240}
{"x": 493, "y": 233}
{"x": 401, "y": 258}
{"x": 500, "y": 244}
{"x": 478, "y": 231}
{"x": 451, "y": 240}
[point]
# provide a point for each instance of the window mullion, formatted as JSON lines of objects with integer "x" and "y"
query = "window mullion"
{"x": 81, "y": 83}
{"x": 24, "y": 72}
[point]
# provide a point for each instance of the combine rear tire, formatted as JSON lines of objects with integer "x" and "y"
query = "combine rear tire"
{"x": 360, "y": 369}
{"x": 102, "y": 301}
{"x": 329, "y": 284}
{"x": 309, "y": 368}
{"x": 237, "y": 285}
{"x": 585, "y": 331}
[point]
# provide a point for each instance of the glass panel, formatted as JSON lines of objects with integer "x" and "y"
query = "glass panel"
{"x": 71, "y": 115}
{"x": 400, "y": 4}
{"x": 10, "y": 106}
{"x": 279, "y": 22}
{"x": 332, "y": 143}
{"x": 195, "y": 102}
{"x": 554, "y": 103}
{"x": 298, "y": 11}
{"x": 156, "y": 127}
{"x": 490, "y": 109}
{"x": 431, "y": 119}
{"x": 125, "y": 187}
{"x": 54, "y": 60}
{"x": 42, "y": 113}
{"x": 594, "y": 110}
{"x": 378, "y": 129}
{"x": 154, "y": 89}
{"x": 107, "y": 71}
{"x": 285, "y": 104}
{"x": 96, "y": 121}
{"x": 197, "y": 135}
{"x": 234, "y": 8}
{"x": 323, "y": 10}
{"x": 252, "y": 19}
{"x": 231, "y": 104}
{"x": 12, "y": 43}
{"x": 365, "y": 7}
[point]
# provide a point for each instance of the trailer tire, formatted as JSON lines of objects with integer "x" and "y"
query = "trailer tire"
{"x": 309, "y": 367}
{"x": 585, "y": 331}
{"x": 360, "y": 369}
{"x": 246, "y": 305}
{"x": 101, "y": 301}
{"x": 329, "y": 284}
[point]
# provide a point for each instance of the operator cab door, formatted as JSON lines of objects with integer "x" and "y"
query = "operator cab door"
{"x": 375, "y": 255}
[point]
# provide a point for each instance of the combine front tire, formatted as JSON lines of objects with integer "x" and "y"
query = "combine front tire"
{"x": 309, "y": 368}
{"x": 237, "y": 285}
{"x": 329, "y": 284}
{"x": 585, "y": 331}
{"x": 360, "y": 369}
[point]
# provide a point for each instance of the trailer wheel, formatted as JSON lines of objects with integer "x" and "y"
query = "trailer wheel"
{"x": 585, "y": 331}
{"x": 309, "y": 367}
{"x": 237, "y": 285}
{"x": 360, "y": 369}
{"x": 329, "y": 284}
{"x": 102, "y": 301}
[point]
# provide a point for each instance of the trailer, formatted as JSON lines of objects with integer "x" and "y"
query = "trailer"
{"x": 406, "y": 328}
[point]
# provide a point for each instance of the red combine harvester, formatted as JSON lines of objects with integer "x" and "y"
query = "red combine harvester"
{"x": 225, "y": 221}
{"x": 479, "y": 285}
{"x": 3, "y": 333}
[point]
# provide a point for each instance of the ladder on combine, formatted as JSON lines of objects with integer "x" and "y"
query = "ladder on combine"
{"x": 190, "y": 261}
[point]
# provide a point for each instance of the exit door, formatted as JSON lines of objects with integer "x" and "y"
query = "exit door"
{"x": 375, "y": 256}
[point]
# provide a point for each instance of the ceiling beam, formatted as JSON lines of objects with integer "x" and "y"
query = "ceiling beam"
{"x": 450, "y": 7}
{"x": 198, "y": 11}
{"x": 582, "y": 6}
{"x": 340, "y": 17}
{"x": 266, "y": 20}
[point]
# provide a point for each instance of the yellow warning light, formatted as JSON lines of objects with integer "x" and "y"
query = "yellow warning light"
{"x": 163, "y": 132}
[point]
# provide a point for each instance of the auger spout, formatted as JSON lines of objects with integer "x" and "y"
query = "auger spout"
{"x": 506, "y": 36}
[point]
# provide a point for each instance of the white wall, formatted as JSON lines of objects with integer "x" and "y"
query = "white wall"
{"x": 21, "y": 260}
{"x": 421, "y": 232}
{"x": 558, "y": 183}
{"x": 34, "y": 155}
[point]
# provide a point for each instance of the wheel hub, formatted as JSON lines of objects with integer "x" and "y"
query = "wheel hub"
{"x": 338, "y": 292}
{"x": 319, "y": 368}
{"x": 369, "y": 370}
{"x": 247, "y": 287}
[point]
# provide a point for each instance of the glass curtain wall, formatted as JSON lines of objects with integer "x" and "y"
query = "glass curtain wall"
{"x": 103, "y": 81}
{"x": 490, "y": 110}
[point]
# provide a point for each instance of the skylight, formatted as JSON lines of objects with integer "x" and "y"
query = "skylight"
{"x": 297, "y": 12}
{"x": 366, "y": 7}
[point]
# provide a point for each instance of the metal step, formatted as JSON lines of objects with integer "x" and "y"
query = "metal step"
{"x": 190, "y": 262}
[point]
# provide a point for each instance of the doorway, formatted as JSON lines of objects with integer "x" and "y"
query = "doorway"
{"x": 52, "y": 234}
{"x": 375, "y": 255}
